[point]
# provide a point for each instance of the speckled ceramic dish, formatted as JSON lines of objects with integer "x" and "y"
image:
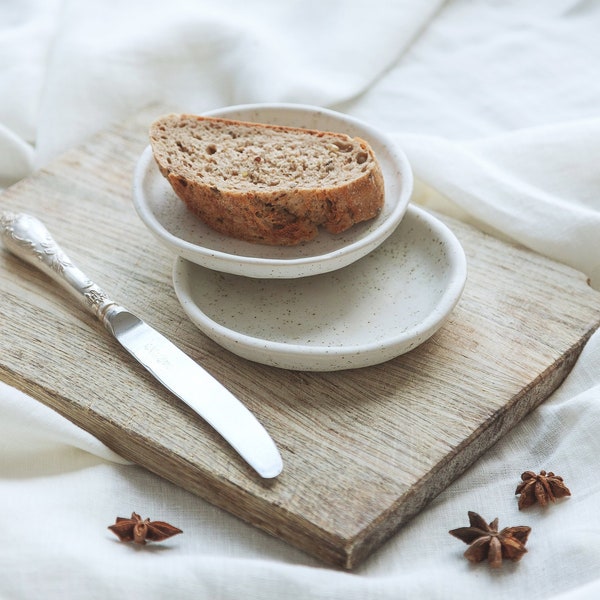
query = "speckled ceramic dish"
{"x": 371, "y": 311}
{"x": 169, "y": 220}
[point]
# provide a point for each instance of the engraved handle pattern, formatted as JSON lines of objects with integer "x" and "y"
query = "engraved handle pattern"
{"x": 27, "y": 237}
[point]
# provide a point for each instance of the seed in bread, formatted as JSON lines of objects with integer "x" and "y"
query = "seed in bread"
{"x": 265, "y": 183}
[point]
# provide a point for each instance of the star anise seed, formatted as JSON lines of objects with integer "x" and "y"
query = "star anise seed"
{"x": 486, "y": 542}
{"x": 138, "y": 530}
{"x": 540, "y": 488}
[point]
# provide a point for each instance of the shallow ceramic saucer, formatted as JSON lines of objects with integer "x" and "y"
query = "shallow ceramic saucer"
{"x": 169, "y": 220}
{"x": 379, "y": 307}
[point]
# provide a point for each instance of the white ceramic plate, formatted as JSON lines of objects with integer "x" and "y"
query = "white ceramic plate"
{"x": 379, "y": 307}
{"x": 168, "y": 218}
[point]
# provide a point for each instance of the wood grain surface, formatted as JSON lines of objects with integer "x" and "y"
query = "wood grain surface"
{"x": 363, "y": 450}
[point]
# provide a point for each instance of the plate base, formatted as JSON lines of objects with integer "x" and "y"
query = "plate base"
{"x": 377, "y": 308}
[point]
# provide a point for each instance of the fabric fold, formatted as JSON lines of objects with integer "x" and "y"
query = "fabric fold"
{"x": 29, "y": 431}
{"x": 199, "y": 56}
{"x": 16, "y": 157}
{"x": 536, "y": 186}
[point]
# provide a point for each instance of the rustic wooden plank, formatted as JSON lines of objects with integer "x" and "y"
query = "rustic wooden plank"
{"x": 363, "y": 450}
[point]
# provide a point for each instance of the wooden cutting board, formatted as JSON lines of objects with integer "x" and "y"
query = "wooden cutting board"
{"x": 363, "y": 450}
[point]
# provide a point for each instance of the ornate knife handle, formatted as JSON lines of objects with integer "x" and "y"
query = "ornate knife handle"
{"x": 27, "y": 237}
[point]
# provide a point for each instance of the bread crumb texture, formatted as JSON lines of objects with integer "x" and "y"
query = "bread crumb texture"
{"x": 264, "y": 183}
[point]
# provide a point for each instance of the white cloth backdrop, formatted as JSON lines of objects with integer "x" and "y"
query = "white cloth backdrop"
{"x": 497, "y": 105}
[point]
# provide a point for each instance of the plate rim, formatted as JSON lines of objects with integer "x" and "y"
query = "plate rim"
{"x": 262, "y": 267}
{"x": 419, "y": 333}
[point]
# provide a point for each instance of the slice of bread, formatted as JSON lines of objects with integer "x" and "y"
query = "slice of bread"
{"x": 264, "y": 183}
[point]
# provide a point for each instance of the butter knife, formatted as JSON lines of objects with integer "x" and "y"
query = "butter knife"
{"x": 27, "y": 237}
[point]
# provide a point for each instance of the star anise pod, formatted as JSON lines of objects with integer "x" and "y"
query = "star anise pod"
{"x": 486, "y": 542}
{"x": 138, "y": 531}
{"x": 540, "y": 488}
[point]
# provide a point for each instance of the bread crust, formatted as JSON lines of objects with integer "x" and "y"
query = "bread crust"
{"x": 279, "y": 215}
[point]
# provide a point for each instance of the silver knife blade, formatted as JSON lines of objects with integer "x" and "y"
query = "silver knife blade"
{"x": 199, "y": 390}
{"x": 27, "y": 237}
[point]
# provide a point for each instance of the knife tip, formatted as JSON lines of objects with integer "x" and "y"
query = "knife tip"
{"x": 270, "y": 471}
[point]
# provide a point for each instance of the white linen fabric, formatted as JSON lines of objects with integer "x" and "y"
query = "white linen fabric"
{"x": 497, "y": 106}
